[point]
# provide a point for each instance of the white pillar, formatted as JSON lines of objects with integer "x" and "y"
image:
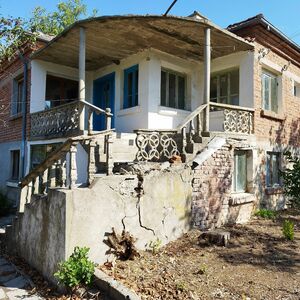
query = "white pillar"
{"x": 81, "y": 74}
{"x": 207, "y": 60}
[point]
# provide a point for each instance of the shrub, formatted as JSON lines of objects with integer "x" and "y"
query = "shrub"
{"x": 77, "y": 271}
{"x": 5, "y": 206}
{"x": 266, "y": 213}
{"x": 288, "y": 230}
{"x": 291, "y": 179}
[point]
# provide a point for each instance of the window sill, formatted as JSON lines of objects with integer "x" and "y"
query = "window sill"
{"x": 276, "y": 190}
{"x": 12, "y": 183}
{"x": 241, "y": 198}
{"x": 272, "y": 115}
{"x": 171, "y": 111}
{"x": 15, "y": 117}
{"x": 129, "y": 111}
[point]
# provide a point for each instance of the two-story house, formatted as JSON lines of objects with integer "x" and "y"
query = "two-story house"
{"x": 223, "y": 102}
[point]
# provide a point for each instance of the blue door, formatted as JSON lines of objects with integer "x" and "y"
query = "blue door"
{"x": 104, "y": 97}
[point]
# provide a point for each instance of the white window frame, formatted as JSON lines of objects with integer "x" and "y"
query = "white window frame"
{"x": 229, "y": 95}
{"x": 235, "y": 171}
{"x": 17, "y": 98}
{"x": 177, "y": 74}
{"x": 270, "y": 75}
{"x": 269, "y": 172}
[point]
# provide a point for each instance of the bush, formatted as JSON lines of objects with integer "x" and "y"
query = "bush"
{"x": 288, "y": 230}
{"x": 5, "y": 205}
{"x": 266, "y": 214}
{"x": 77, "y": 271}
{"x": 291, "y": 179}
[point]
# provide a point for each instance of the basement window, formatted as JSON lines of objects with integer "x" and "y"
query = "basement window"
{"x": 240, "y": 171}
{"x": 131, "y": 87}
{"x": 17, "y": 99}
{"x": 269, "y": 91}
{"x": 224, "y": 87}
{"x": 273, "y": 167}
{"x": 60, "y": 91}
{"x": 15, "y": 164}
{"x": 173, "y": 89}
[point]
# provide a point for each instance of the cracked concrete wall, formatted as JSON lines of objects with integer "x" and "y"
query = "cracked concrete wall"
{"x": 155, "y": 205}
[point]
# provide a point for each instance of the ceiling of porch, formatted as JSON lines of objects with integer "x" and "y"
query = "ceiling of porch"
{"x": 110, "y": 39}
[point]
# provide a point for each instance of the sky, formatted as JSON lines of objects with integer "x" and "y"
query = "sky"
{"x": 282, "y": 14}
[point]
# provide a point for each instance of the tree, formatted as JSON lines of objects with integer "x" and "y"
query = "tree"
{"x": 291, "y": 178}
{"x": 17, "y": 33}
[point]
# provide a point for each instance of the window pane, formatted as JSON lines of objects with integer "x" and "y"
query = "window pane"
{"x": 181, "y": 92}
{"x": 234, "y": 87}
{"x": 129, "y": 89}
{"x": 266, "y": 91}
{"x": 214, "y": 89}
{"x": 274, "y": 102}
{"x": 273, "y": 164}
{"x": 224, "y": 88}
{"x": 136, "y": 86}
{"x": 20, "y": 95}
{"x": 275, "y": 169}
{"x": 163, "y": 88}
{"x": 240, "y": 171}
{"x": 15, "y": 157}
{"x": 172, "y": 90}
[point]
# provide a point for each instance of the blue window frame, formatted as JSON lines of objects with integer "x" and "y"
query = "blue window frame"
{"x": 131, "y": 87}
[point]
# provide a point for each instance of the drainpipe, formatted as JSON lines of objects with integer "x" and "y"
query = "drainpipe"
{"x": 81, "y": 76}
{"x": 24, "y": 114}
{"x": 207, "y": 59}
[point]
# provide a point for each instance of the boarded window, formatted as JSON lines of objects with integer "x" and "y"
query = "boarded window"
{"x": 173, "y": 89}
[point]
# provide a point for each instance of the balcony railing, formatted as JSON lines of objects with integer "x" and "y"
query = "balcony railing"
{"x": 65, "y": 120}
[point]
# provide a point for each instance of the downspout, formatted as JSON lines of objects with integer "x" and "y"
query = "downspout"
{"x": 24, "y": 114}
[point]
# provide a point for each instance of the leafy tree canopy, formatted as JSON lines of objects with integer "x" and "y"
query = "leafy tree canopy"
{"x": 16, "y": 32}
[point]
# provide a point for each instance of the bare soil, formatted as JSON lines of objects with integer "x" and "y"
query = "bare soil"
{"x": 259, "y": 263}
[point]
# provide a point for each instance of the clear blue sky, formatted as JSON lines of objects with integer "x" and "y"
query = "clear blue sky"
{"x": 283, "y": 14}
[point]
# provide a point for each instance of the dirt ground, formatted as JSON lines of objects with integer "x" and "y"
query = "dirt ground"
{"x": 259, "y": 263}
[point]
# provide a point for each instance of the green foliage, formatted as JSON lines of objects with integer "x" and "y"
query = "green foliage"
{"x": 266, "y": 213}
{"x": 16, "y": 33}
{"x": 288, "y": 230}
{"x": 77, "y": 271}
{"x": 181, "y": 286}
{"x": 155, "y": 245}
{"x": 291, "y": 179}
{"x": 202, "y": 269}
{"x": 5, "y": 206}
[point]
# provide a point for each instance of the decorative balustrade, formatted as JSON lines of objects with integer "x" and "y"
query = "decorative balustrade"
{"x": 60, "y": 121}
{"x": 64, "y": 120}
{"x": 156, "y": 145}
{"x": 236, "y": 119}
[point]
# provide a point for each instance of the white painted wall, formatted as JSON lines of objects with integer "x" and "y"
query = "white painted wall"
{"x": 149, "y": 114}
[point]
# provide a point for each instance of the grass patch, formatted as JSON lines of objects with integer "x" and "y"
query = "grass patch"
{"x": 266, "y": 214}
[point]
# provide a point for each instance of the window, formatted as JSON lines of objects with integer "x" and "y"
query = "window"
{"x": 296, "y": 89}
{"x": 172, "y": 89}
{"x": 60, "y": 91}
{"x": 273, "y": 166}
{"x": 18, "y": 86}
{"x": 38, "y": 153}
{"x": 224, "y": 87}
{"x": 15, "y": 164}
{"x": 269, "y": 91}
{"x": 131, "y": 87}
{"x": 240, "y": 171}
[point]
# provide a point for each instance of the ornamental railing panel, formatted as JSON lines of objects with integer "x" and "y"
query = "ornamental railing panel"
{"x": 236, "y": 119}
{"x": 56, "y": 122}
{"x": 156, "y": 145}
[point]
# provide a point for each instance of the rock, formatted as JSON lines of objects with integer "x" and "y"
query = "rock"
{"x": 217, "y": 237}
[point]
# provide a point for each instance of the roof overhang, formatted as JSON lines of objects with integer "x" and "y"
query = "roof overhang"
{"x": 112, "y": 38}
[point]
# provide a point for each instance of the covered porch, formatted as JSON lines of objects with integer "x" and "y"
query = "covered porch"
{"x": 114, "y": 46}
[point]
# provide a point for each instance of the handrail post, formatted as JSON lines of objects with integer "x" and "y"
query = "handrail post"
{"x": 108, "y": 118}
{"x": 90, "y": 122}
{"x": 73, "y": 166}
{"x": 91, "y": 162}
{"x": 108, "y": 142}
{"x": 207, "y": 62}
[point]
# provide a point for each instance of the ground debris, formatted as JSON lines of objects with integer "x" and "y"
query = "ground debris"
{"x": 123, "y": 246}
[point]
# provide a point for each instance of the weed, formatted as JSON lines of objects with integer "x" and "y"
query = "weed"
{"x": 202, "y": 269}
{"x": 266, "y": 214}
{"x": 181, "y": 286}
{"x": 155, "y": 245}
{"x": 77, "y": 271}
{"x": 288, "y": 230}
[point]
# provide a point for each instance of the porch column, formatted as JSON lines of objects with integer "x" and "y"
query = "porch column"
{"x": 81, "y": 92}
{"x": 207, "y": 59}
